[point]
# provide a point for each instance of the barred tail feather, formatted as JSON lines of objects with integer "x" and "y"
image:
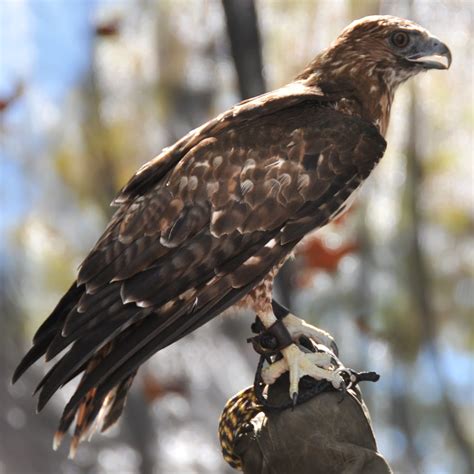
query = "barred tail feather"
{"x": 96, "y": 412}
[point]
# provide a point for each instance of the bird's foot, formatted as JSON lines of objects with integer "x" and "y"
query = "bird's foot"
{"x": 318, "y": 365}
{"x": 298, "y": 327}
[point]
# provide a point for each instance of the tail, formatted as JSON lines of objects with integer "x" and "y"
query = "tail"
{"x": 108, "y": 337}
{"x": 94, "y": 412}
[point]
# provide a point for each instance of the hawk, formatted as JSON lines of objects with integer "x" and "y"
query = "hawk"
{"x": 207, "y": 223}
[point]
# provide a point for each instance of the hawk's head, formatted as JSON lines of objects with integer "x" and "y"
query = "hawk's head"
{"x": 383, "y": 48}
{"x": 369, "y": 59}
{"x": 394, "y": 44}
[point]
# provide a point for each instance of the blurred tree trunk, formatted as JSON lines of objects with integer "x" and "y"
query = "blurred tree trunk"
{"x": 141, "y": 432}
{"x": 244, "y": 37}
{"x": 419, "y": 284}
{"x": 181, "y": 105}
{"x": 402, "y": 416}
{"x": 101, "y": 162}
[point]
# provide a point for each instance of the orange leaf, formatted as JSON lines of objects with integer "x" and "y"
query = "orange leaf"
{"x": 153, "y": 389}
{"x": 318, "y": 256}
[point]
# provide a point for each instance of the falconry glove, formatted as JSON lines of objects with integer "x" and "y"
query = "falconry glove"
{"x": 326, "y": 430}
{"x": 326, "y": 435}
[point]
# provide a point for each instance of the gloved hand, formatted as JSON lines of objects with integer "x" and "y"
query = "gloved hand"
{"x": 329, "y": 434}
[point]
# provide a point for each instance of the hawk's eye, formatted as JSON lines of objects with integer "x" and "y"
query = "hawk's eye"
{"x": 400, "y": 39}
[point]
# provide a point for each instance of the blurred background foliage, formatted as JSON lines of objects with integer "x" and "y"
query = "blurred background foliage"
{"x": 89, "y": 90}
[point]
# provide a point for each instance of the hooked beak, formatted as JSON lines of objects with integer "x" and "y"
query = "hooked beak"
{"x": 431, "y": 53}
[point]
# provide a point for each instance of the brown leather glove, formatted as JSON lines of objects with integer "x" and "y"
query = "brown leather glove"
{"x": 329, "y": 434}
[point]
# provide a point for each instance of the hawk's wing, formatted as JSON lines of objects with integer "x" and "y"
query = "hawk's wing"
{"x": 195, "y": 231}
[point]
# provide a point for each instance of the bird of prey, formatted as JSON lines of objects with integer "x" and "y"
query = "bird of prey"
{"x": 207, "y": 223}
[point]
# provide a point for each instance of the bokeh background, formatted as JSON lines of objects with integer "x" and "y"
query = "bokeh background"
{"x": 90, "y": 90}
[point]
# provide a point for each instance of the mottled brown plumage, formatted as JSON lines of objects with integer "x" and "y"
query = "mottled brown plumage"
{"x": 207, "y": 223}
